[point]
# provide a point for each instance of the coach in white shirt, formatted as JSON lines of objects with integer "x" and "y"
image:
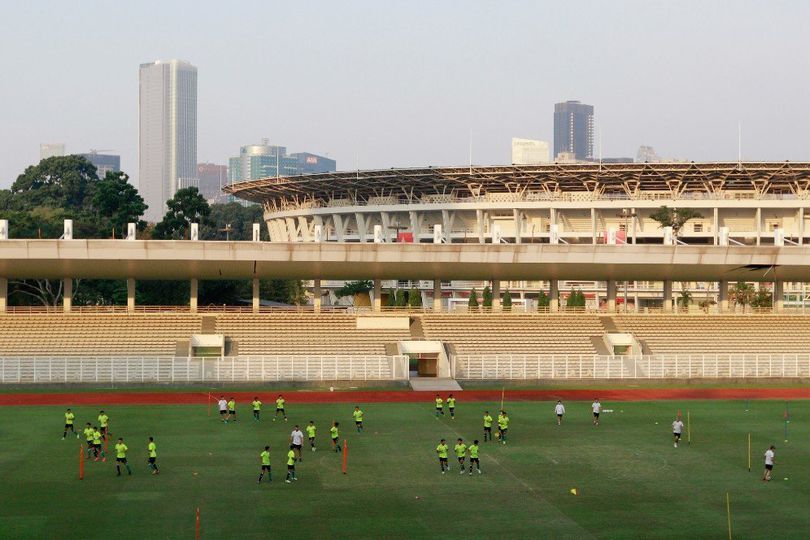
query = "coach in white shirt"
{"x": 297, "y": 441}
{"x": 560, "y": 410}
{"x": 769, "y": 458}
{"x": 597, "y": 408}
{"x": 223, "y": 409}
{"x": 677, "y": 431}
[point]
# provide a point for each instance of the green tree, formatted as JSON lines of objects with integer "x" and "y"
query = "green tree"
{"x": 119, "y": 203}
{"x": 351, "y": 288}
{"x": 486, "y": 297}
{"x": 401, "y": 300}
{"x": 506, "y": 303}
{"x": 392, "y": 298}
{"x": 473, "y": 301}
{"x": 576, "y": 299}
{"x": 414, "y": 298}
{"x": 232, "y": 221}
{"x": 186, "y": 207}
{"x": 66, "y": 182}
{"x": 685, "y": 298}
{"x": 763, "y": 298}
{"x": 742, "y": 293}
{"x": 674, "y": 217}
{"x": 543, "y": 300}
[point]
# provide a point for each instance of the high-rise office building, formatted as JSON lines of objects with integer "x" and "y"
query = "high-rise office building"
{"x": 313, "y": 163}
{"x": 263, "y": 160}
{"x": 104, "y": 163}
{"x": 529, "y": 152}
{"x": 212, "y": 178}
{"x": 573, "y": 129}
{"x": 51, "y": 150}
{"x": 167, "y": 132}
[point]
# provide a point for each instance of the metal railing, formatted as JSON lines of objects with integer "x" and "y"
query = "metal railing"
{"x": 672, "y": 366}
{"x": 32, "y": 370}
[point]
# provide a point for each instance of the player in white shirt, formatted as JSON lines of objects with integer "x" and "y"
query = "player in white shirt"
{"x": 597, "y": 408}
{"x": 560, "y": 410}
{"x": 769, "y": 459}
{"x": 223, "y": 409}
{"x": 297, "y": 441}
{"x": 677, "y": 430}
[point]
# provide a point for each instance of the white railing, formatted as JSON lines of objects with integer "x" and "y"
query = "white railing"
{"x": 185, "y": 370}
{"x": 668, "y": 366}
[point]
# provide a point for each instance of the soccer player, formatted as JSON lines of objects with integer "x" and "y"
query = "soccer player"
{"x": 223, "y": 409}
{"x": 451, "y": 406}
{"x": 311, "y": 434}
{"x": 232, "y": 409}
{"x": 358, "y": 418}
{"x": 487, "y": 426}
{"x": 265, "y": 459}
{"x": 97, "y": 448}
{"x": 439, "y": 405}
{"x": 441, "y": 450}
{"x": 335, "y": 434}
{"x": 677, "y": 430}
{"x": 88, "y": 436}
{"x": 461, "y": 455}
{"x": 560, "y": 410}
{"x": 69, "y": 416}
{"x": 280, "y": 401}
{"x": 121, "y": 457}
{"x": 297, "y": 441}
{"x": 291, "y": 465}
{"x": 151, "y": 448}
{"x": 597, "y": 408}
{"x": 473, "y": 448}
{"x": 769, "y": 460}
{"x": 104, "y": 424}
{"x": 503, "y": 426}
{"x": 257, "y": 408}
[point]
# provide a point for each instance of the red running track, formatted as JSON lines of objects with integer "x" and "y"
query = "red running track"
{"x": 400, "y": 396}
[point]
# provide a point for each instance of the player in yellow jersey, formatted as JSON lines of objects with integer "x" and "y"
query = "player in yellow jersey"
{"x": 257, "y": 408}
{"x": 503, "y": 426}
{"x": 473, "y": 448}
{"x": 451, "y": 406}
{"x": 88, "y": 436}
{"x": 151, "y": 449}
{"x": 461, "y": 454}
{"x": 280, "y": 401}
{"x": 97, "y": 448}
{"x": 311, "y": 434}
{"x": 264, "y": 457}
{"x": 358, "y": 418}
{"x": 121, "y": 457}
{"x": 439, "y": 406}
{"x": 232, "y": 410}
{"x": 104, "y": 424}
{"x": 441, "y": 451}
{"x": 69, "y": 417}
{"x": 291, "y": 465}
{"x": 335, "y": 434}
{"x": 487, "y": 426}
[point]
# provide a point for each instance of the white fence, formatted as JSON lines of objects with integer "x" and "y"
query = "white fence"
{"x": 680, "y": 366}
{"x": 215, "y": 370}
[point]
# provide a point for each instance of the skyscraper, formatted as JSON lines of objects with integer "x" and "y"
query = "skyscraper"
{"x": 573, "y": 129}
{"x": 47, "y": 150}
{"x": 262, "y": 160}
{"x": 212, "y": 178}
{"x": 167, "y": 132}
{"x": 104, "y": 162}
{"x": 529, "y": 152}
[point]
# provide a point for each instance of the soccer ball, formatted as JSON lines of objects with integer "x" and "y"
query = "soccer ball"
{"x": 497, "y": 435}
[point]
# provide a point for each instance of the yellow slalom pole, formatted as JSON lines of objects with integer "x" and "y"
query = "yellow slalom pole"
{"x": 728, "y": 513}
{"x": 749, "y": 452}
{"x": 503, "y": 392}
{"x": 688, "y": 429}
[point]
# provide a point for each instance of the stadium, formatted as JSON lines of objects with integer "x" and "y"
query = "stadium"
{"x": 585, "y": 299}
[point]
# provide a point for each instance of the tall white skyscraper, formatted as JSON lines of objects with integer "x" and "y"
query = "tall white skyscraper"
{"x": 167, "y": 134}
{"x": 529, "y": 152}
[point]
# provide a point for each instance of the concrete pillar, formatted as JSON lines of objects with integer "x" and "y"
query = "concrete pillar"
{"x": 67, "y": 302}
{"x": 633, "y": 224}
{"x": 377, "y": 295}
{"x": 437, "y": 295}
{"x": 3, "y": 294}
{"x": 593, "y": 226}
{"x": 722, "y": 296}
{"x": 316, "y": 291}
{"x": 496, "y": 295}
{"x": 778, "y": 295}
{"x": 130, "y": 295}
{"x": 716, "y": 226}
{"x": 667, "y": 295}
{"x": 479, "y": 220}
{"x": 759, "y": 225}
{"x": 255, "y": 295}
{"x": 611, "y": 296}
{"x": 554, "y": 295}
{"x": 801, "y": 225}
{"x": 516, "y": 215}
{"x": 193, "y": 295}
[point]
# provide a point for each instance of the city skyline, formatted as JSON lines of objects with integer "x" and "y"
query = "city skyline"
{"x": 378, "y": 86}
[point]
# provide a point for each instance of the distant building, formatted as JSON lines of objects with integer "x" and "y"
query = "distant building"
{"x": 573, "y": 129}
{"x": 646, "y": 154}
{"x": 264, "y": 160}
{"x": 51, "y": 150}
{"x": 212, "y": 177}
{"x": 104, "y": 163}
{"x": 167, "y": 132}
{"x": 529, "y": 152}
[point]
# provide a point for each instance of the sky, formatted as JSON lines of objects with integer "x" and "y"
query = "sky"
{"x": 380, "y": 84}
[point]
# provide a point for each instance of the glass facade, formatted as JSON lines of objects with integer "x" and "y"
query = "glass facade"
{"x": 573, "y": 129}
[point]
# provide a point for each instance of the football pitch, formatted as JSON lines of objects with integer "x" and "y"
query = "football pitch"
{"x": 630, "y": 481}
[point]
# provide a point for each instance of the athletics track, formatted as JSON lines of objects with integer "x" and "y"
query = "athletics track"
{"x": 398, "y": 396}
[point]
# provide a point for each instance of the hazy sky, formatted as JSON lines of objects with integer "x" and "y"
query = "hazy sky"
{"x": 403, "y": 83}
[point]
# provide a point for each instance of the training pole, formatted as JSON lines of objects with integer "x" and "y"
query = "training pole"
{"x": 688, "y": 429}
{"x": 728, "y": 514}
{"x": 197, "y": 525}
{"x": 503, "y": 393}
{"x": 81, "y": 462}
{"x": 749, "y": 452}
{"x": 209, "y": 403}
{"x": 345, "y": 455}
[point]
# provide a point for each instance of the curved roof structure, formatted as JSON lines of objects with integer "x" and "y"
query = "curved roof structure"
{"x": 625, "y": 178}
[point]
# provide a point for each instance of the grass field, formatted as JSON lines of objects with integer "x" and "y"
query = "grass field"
{"x": 632, "y": 483}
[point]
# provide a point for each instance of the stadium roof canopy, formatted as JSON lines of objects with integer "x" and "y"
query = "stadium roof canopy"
{"x": 626, "y": 178}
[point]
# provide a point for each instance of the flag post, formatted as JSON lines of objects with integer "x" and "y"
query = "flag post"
{"x": 345, "y": 455}
{"x": 688, "y": 429}
{"x": 197, "y": 525}
{"x": 749, "y": 451}
{"x": 503, "y": 392}
{"x": 728, "y": 514}
{"x": 81, "y": 463}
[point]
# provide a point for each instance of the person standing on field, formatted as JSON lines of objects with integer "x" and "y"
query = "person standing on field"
{"x": 439, "y": 406}
{"x": 503, "y": 426}
{"x": 257, "y": 408}
{"x": 69, "y": 416}
{"x": 487, "y": 426}
{"x": 441, "y": 451}
{"x": 474, "y": 457}
{"x": 223, "y": 409}
{"x": 232, "y": 409}
{"x": 334, "y": 433}
{"x": 769, "y": 461}
{"x": 358, "y": 418}
{"x": 280, "y": 401}
{"x": 597, "y": 408}
{"x": 265, "y": 459}
{"x": 451, "y": 406}
{"x": 559, "y": 409}
{"x": 677, "y": 431}
{"x": 291, "y": 466}
{"x": 297, "y": 441}
{"x": 151, "y": 448}
{"x": 121, "y": 457}
{"x": 461, "y": 454}
{"x": 311, "y": 429}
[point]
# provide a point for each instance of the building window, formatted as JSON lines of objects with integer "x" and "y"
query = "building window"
{"x": 698, "y": 227}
